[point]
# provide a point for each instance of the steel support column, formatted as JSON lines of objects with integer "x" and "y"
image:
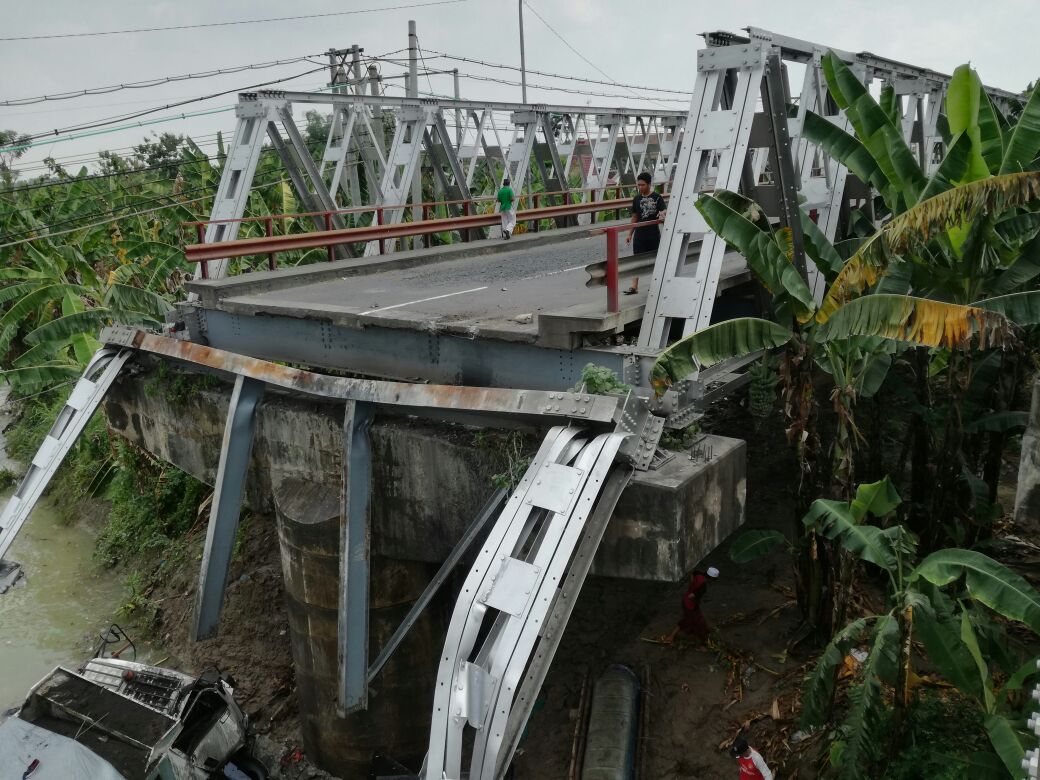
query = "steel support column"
{"x": 354, "y": 558}
{"x": 226, "y": 505}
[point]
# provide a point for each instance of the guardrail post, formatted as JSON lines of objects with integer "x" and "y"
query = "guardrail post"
{"x": 328, "y": 226}
{"x": 537, "y": 204}
{"x": 613, "y": 305}
{"x": 200, "y": 232}
{"x": 379, "y": 221}
{"x": 269, "y": 230}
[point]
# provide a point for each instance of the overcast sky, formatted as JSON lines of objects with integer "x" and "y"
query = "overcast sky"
{"x": 635, "y": 42}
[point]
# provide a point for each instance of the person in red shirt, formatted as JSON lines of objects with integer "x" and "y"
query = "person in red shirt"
{"x": 752, "y": 765}
{"x": 692, "y": 622}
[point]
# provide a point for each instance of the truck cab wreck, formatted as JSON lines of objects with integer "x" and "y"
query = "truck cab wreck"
{"x": 115, "y": 719}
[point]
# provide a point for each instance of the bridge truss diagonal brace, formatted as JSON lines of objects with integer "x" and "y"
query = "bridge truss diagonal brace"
{"x": 226, "y": 505}
{"x": 354, "y": 558}
{"x": 236, "y": 178}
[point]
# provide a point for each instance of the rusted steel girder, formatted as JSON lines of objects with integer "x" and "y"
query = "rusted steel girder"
{"x": 554, "y": 406}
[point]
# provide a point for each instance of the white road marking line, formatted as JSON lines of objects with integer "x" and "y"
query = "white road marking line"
{"x": 551, "y": 273}
{"x": 423, "y": 300}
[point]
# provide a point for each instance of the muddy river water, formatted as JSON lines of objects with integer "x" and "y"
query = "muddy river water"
{"x": 54, "y": 614}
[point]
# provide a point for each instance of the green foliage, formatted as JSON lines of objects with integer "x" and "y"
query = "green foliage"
{"x": 505, "y": 456}
{"x": 137, "y": 600}
{"x": 680, "y": 439}
{"x": 7, "y": 479}
{"x": 945, "y": 740}
{"x": 752, "y": 544}
{"x": 952, "y": 631}
{"x": 762, "y": 390}
{"x": 600, "y": 380}
{"x": 153, "y": 507}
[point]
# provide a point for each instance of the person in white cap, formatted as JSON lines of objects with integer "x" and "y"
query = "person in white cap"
{"x": 692, "y": 622}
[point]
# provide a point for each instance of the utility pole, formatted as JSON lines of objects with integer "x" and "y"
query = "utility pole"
{"x": 355, "y": 69}
{"x": 413, "y": 92}
{"x": 336, "y": 74}
{"x": 523, "y": 59}
{"x": 458, "y": 112}
{"x": 374, "y": 82}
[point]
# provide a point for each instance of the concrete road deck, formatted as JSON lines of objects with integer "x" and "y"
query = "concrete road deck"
{"x": 529, "y": 289}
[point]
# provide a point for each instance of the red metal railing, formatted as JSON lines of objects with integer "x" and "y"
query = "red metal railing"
{"x": 203, "y": 253}
{"x": 612, "y": 233}
{"x": 428, "y": 207}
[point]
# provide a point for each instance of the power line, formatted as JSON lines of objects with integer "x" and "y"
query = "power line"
{"x": 442, "y": 55}
{"x": 127, "y": 216}
{"x": 654, "y": 99}
{"x": 112, "y": 120}
{"x": 423, "y": 60}
{"x": 227, "y": 24}
{"x": 67, "y": 183}
{"x": 565, "y": 41}
{"x": 150, "y": 82}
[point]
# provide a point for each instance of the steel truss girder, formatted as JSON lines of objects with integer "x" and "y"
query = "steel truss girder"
{"x": 473, "y": 532}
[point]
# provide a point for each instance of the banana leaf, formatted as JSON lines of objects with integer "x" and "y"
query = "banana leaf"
{"x": 987, "y": 581}
{"x": 728, "y": 339}
{"x": 916, "y": 321}
{"x": 1024, "y": 143}
{"x": 752, "y": 544}
{"x": 1022, "y": 308}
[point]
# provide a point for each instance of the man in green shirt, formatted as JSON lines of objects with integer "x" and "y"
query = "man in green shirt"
{"x": 505, "y": 208}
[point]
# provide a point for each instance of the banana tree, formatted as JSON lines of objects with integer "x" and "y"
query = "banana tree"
{"x": 992, "y": 251}
{"x": 939, "y": 602}
{"x": 850, "y": 339}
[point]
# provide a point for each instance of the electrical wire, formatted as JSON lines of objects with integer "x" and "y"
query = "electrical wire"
{"x": 652, "y": 99}
{"x": 228, "y": 24}
{"x": 112, "y": 120}
{"x": 144, "y": 84}
{"x": 443, "y": 55}
{"x": 565, "y": 41}
{"x": 25, "y": 144}
{"x": 129, "y": 216}
{"x": 418, "y": 46}
{"x": 655, "y": 99}
{"x": 269, "y": 150}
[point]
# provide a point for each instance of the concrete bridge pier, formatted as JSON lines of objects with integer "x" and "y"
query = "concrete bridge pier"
{"x": 308, "y": 516}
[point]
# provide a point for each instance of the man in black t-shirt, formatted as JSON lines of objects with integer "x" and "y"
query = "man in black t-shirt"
{"x": 647, "y": 206}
